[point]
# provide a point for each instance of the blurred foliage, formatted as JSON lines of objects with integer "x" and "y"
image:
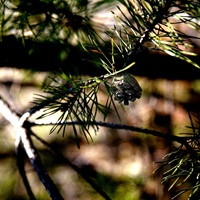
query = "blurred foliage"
{"x": 68, "y": 23}
{"x": 58, "y": 21}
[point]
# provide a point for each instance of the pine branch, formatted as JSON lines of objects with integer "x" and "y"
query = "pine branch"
{"x": 150, "y": 22}
{"x": 183, "y": 163}
{"x": 23, "y": 136}
{"x": 75, "y": 99}
{"x": 160, "y": 14}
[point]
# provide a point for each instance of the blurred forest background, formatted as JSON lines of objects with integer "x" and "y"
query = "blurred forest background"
{"x": 120, "y": 162}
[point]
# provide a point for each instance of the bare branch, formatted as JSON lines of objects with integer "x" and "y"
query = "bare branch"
{"x": 23, "y": 137}
{"x": 20, "y": 164}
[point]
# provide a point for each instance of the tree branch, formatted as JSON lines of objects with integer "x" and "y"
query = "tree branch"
{"x": 23, "y": 137}
{"x": 20, "y": 163}
{"x": 169, "y": 137}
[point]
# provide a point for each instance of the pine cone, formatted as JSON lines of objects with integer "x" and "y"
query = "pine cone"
{"x": 126, "y": 88}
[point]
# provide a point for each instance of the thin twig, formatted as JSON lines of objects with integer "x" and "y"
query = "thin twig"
{"x": 170, "y": 137}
